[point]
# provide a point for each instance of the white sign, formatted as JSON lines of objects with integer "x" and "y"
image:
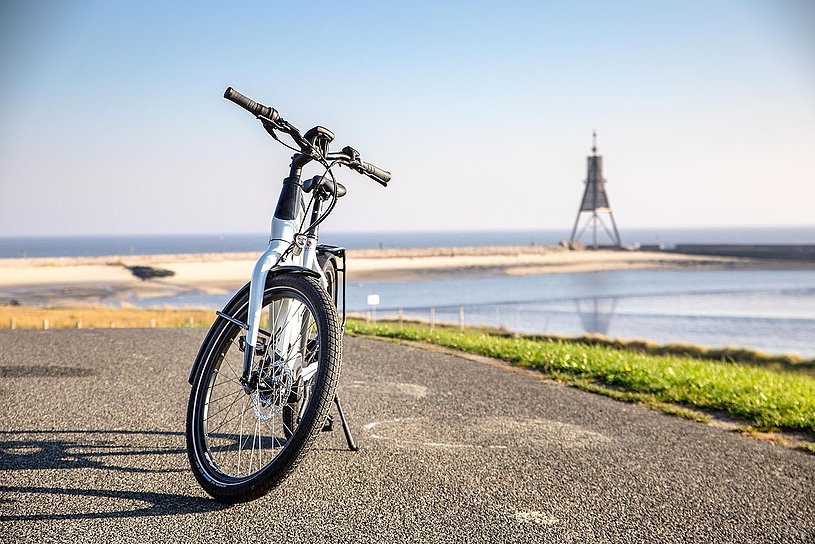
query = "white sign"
{"x": 373, "y": 300}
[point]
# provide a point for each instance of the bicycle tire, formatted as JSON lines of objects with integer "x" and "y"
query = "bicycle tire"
{"x": 206, "y": 456}
{"x": 328, "y": 264}
{"x": 293, "y": 411}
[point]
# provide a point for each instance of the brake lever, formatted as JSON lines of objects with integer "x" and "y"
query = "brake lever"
{"x": 269, "y": 126}
{"x": 356, "y": 162}
{"x": 267, "y": 121}
{"x": 284, "y": 126}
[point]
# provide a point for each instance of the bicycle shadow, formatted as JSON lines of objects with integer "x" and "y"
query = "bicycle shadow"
{"x": 128, "y": 451}
{"x": 158, "y": 504}
{"x": 52, "y": 453}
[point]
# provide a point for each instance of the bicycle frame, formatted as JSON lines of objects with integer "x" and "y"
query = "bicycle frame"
{"x": 288, "y": 218}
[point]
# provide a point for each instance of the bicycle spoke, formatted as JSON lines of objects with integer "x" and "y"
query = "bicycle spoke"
{"x": 240, "y": 438}
{"x": 231, "y": 404}
{"x": 257, "y": 439}
{"x": 224, "y": 396}
{"x": 226, "y": 360}
{"x": 226, "y": 381}
{"x": 222, "y": 423}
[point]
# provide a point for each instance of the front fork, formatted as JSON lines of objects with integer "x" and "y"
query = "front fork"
{"x": 268, "y": 260}
{"x": 257, "y": 285}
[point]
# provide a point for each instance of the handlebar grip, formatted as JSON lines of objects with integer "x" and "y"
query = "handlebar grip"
{"x": 256, "y": 109}
{"x": 383, "y": 176}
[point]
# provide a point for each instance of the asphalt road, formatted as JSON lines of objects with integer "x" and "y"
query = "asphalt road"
{"x": 92, "y": 449}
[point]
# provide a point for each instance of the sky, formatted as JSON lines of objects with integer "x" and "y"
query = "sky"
{"x": 113, "y": 120}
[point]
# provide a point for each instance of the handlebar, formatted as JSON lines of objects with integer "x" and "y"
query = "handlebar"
{"x": 272, "y": 121}
{"x": 382, "y": 176}
{"x": 258, "y": 110}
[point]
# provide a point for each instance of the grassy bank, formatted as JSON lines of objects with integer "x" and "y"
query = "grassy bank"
{"x": 26, "y": 317}
{"x": 763, "y": 398}
{"x": 728, "y": 354}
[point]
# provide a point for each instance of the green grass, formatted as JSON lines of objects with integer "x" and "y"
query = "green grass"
{"x": 728, "y": 354}
{"x": 808, "y": 447}
{"x": 766, "y": 399}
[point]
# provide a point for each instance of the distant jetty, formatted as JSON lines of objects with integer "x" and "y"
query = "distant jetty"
{"x": 785, "y": 252}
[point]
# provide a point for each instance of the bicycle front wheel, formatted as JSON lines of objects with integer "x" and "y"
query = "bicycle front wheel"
{"x": 242, "y": 440}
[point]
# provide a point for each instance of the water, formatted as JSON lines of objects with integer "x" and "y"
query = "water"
{"x": 76, "y": 246}
{"x": 767, "y": 310}
{"x": 93, "y": 246}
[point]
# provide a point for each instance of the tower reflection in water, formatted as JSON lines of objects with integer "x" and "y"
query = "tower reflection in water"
{"x": 596, "y": 313}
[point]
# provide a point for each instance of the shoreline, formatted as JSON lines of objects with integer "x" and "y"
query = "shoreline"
{"x": 61, "y": 281}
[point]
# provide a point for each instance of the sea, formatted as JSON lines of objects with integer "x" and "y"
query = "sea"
{"x": 84, "y": 246}
{"x": 771, "y": 310}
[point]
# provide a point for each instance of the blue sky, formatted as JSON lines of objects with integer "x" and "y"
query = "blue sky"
{"x": 113, "y": 120}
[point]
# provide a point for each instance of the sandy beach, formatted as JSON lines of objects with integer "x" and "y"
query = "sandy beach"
{"x": 107, "y": 280}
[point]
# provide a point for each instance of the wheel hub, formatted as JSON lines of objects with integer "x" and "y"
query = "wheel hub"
{"x": 270, "y": 387}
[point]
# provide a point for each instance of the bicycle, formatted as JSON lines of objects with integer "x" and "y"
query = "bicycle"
{"x": 266, "y": 374}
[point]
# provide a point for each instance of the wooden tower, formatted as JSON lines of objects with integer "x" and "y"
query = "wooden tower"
{"x": 595, "y": 202}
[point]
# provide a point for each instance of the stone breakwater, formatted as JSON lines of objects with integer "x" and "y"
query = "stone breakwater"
{"x": 787, "y": 252}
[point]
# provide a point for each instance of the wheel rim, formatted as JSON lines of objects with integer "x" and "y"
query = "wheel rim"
{"x": 242, "y": 433}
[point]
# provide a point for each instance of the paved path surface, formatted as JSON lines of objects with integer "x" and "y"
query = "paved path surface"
{"x": 92, "y": 449}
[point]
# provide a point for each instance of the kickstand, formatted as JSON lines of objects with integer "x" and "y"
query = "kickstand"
{"x": 351, "y": 444}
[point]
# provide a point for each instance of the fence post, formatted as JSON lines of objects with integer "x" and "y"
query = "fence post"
{"x": 401, "y": 317}
{"x": 517, "y": 323}
{"x": 461, "y": 318}
{"x": 78, "y": 323}
{"x": 13, "y": 324}
{"x": 152, "y": 323}
{"x": 432, "y": 318}
{"x": 45, "y": 324}
{"x": 112, "y": 324}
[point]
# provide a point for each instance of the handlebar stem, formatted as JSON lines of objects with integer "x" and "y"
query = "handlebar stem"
{"x": 298, "y": 161}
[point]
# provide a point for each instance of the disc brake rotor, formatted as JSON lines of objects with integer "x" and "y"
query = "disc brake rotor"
{"x": 275, "y": 382}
